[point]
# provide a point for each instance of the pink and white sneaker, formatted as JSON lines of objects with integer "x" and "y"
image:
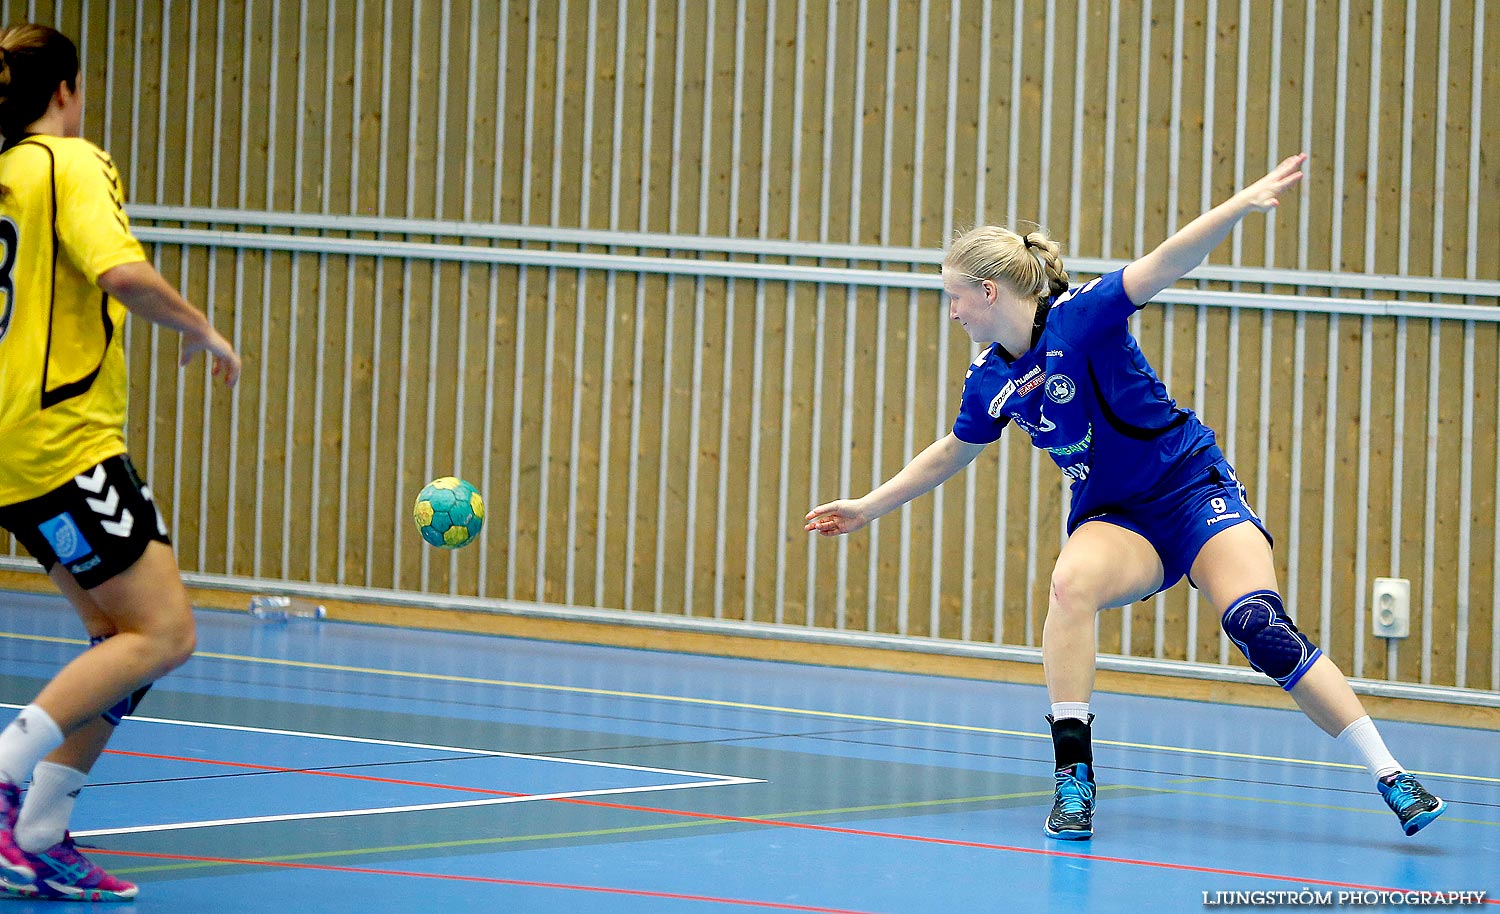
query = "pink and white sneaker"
{"x": 15, "y": 869}
{"x": 65, "y": 874}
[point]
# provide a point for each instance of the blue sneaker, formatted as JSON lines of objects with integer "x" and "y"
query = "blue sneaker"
{"x": 64, "y": 874}
{"x": 1072, "y": 817}
{"x": 14, "y": 868}
{"x": 1410, "y": 801}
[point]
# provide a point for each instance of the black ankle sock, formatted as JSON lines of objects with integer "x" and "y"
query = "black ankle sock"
{"x": 1070, "y": 741}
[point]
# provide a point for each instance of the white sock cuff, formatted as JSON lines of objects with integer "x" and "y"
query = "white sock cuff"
{"x": 1070, "y": 710}
{"x": 40, "y": 724}
{"x": 25, "y": 741}
{"x": 52, "y": 776}
{"x": 1365, "y": 738}
{"x": 1348, "y": 732}
{"x": 48, "y": 806}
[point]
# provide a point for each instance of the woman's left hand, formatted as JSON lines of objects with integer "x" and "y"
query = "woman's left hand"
{"x": 1262, "y": 195}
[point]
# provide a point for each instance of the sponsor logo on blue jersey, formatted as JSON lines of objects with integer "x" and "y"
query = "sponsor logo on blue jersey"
{"x": 1078, "y": 471}
{"x": 1000, "y": 398}
{"x": 1031, "y": 381}
{"x": 1043, "y": 425}
{"x": 1080, "y": 446}
{"x": 1060, "y": 388}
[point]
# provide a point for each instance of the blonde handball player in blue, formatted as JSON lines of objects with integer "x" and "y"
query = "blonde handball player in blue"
{"x": 1153, "y": 497}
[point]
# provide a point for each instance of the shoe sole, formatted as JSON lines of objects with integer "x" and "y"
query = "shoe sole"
{"x": 1068, "y": 835}
{"x": 1422, "y": 819}
{"x": 69, "y": 893}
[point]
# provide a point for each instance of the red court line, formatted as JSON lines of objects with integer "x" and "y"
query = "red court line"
{"x": 488, "y": 880}
{"x": 777, "y": 823}
{"x": 953, "y": 842}
{"x": 322, "y": 774}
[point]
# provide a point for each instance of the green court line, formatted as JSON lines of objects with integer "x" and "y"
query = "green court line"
{"x": 402, "y": 848}
{"x": 705, "y": 823}
{"x": 1190, "y": 780}
{"x": 601, "y": 832}
{"x": 747, "y": 706}
{"x": 1302, "y": 803}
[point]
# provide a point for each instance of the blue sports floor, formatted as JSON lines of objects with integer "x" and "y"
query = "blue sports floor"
{"x": 325, "y": 767}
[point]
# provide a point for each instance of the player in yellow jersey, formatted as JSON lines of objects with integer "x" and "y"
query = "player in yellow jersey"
{"x": 69, "y": 271}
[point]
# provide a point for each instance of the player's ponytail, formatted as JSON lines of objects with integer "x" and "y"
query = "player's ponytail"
{"x": 1050, "y": 255}
{"x": 34, "y": 60}
{"x": 1031, "y": 264}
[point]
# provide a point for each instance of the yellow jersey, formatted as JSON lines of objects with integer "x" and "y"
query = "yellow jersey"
{"x": 62, "y": 357}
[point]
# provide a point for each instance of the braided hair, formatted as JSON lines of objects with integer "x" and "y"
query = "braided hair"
{"x": 1030, "y": 263}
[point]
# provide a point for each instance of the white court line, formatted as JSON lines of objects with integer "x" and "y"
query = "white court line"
{"x": 388, "y": 742}
{"x": 710, "y": 780}
{"x": 340, "y": 813}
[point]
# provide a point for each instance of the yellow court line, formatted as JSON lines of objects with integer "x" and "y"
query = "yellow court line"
{"x": 747, "y": 706}
{"x": 17, "y": 636}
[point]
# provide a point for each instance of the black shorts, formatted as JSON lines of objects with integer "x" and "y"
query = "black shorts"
{"x": 97, "y": 524}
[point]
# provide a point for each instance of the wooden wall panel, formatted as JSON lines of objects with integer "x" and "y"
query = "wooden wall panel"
{"x": 1482, "y": 251}
{"x": 1480, "y": 669}
{"x": 562, "y": 62}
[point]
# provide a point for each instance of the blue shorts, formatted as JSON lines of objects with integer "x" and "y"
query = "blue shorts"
{"x": 1178, "y": 522}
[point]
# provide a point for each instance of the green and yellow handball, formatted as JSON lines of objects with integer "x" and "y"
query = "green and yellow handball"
{"x": 449, "y": 512}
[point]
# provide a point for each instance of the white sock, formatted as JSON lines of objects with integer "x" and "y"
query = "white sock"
{"x": 1371, "y": 749}
{"x": 1075, "y": 710}
{"x": 25, "y": 742}
{"x": 48, "y": 806}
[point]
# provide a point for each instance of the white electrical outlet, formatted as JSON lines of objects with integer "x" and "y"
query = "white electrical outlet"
{"x": 1390, "y": 612}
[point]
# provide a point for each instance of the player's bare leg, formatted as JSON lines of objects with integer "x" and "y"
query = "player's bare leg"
{"x": 1102, "y": 565}
{"x": 146, "y": 619}
{"x": 1235, "y": 571}
{"x": 152, "y": 634}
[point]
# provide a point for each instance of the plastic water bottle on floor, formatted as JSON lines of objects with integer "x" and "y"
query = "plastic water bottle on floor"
{"x": 284, "y": 609}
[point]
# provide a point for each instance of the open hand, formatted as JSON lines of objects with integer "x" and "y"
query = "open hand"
{"x": 1262, "y": 195}
{"x": 837, "y": 517}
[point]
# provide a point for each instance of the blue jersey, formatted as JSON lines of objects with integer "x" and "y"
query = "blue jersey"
{"x": 1085, "y": 394}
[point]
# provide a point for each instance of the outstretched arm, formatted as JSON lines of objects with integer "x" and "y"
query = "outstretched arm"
{"x": 929, "y": 469}
{"x": 1186, "y": 249}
